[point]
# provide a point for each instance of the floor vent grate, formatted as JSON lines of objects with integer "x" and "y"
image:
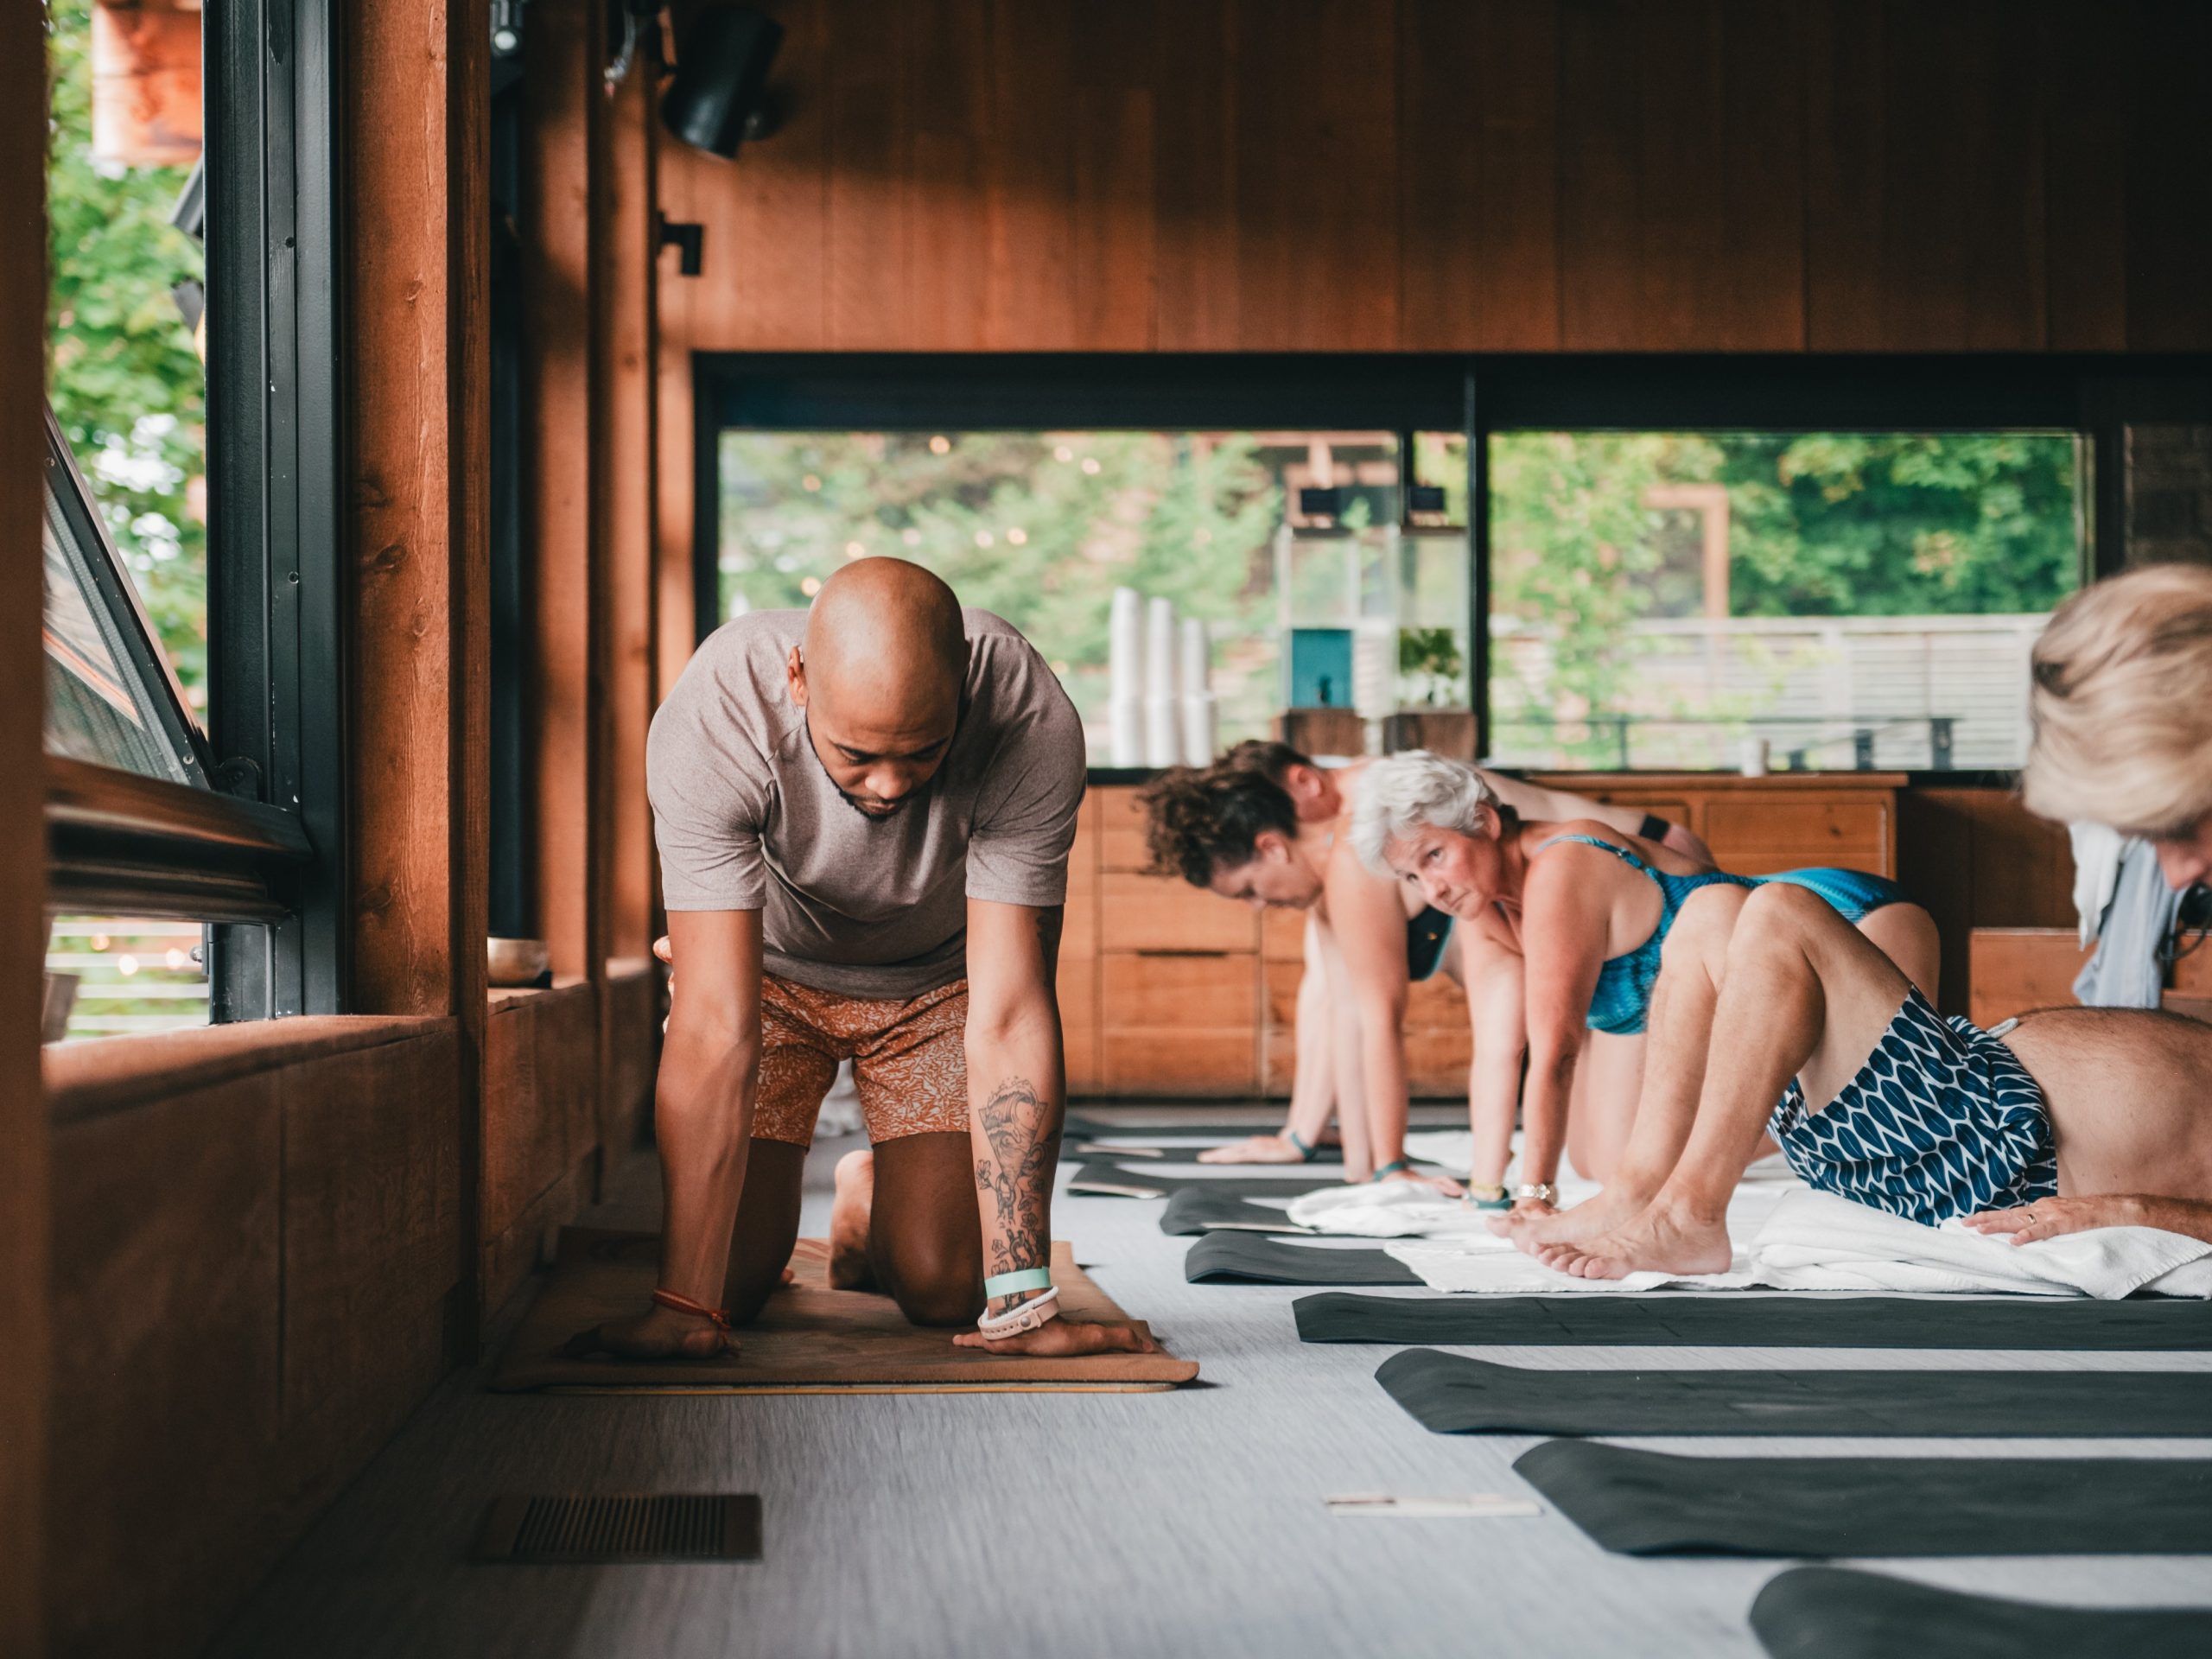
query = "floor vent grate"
{"x": 656, "y": 1526}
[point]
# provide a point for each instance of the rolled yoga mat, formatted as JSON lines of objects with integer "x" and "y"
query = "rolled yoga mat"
{"x": 1832, "y": 1612}
{"x": 1747, "y": 1319}
{"x": 1450, "y": 1394}
{"x": 1250, "y": 1259}
{"x": 808, "y": 1339}
{"x": 1194, "y": 1209}
{"x": 1118, "y": 1181}
{"x": 1638, "y": 1503}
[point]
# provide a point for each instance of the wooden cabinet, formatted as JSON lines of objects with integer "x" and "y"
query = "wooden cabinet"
{"x": 1757, "y": 826}
{"x": 1177, "y": 973}
{"x": 2015, "y": 968}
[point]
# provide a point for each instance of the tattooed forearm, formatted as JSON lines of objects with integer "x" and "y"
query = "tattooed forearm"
{"x": 1017, "y": 1177}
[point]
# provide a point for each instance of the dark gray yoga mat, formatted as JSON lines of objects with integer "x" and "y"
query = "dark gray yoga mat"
{"x": 1250, "y": 1259}
{"x": 1832, "y": 1612}
{"x": 1451, "y": 1394}
{"x": 1145, "y": 1142}
{"x": 1194, "y": 1209}
{"x": 1145, "y": 1183}
{"x": 1749, "y": 1320}
{"x": 1638, "y": 1503}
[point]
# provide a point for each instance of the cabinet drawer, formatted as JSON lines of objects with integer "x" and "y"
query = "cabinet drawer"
{"x": 1205, "y": 993}
{"x": 1751, "y": 836}
{"x": 1157, "y": 1062}
{"x": 1120, "y": 828}
{"x": 1151, "y": 912}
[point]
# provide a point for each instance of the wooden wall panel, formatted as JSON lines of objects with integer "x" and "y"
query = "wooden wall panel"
{"x": 1845, "y": 138}
{"x": 167, "y": 1398}
{"x": 1464, "y": 175}
{"x": 262, "y": 1253}
{"x": 1976, "y": 858}
{"x": 633, "y": 1055}
{"x": 1599, "y": 290}
{"x": 1315, "y": 205}
{"x": 24, "y": 1238}
{"x": 542, "y": 1093}
{"x": 2085, "y": 59}
{"x": 1478, "y": 200}
{"x": 2169, "y": 177}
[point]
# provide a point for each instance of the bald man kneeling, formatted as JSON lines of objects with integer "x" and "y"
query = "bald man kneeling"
{"x": 864, "y": 812}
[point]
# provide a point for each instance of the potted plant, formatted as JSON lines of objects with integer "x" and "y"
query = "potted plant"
{"x": 1430, "y": 667}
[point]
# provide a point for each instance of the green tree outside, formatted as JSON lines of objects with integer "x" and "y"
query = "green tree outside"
{"x": 125, "y": 382}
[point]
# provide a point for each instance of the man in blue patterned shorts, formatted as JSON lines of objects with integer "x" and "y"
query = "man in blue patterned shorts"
{"x": 2064, "y": 1120}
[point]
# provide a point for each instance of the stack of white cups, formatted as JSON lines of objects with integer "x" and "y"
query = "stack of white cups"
{"x": 1163, "y": 728}
{"x": 1125, "y": 678}
{"x": 1201, "y": 719}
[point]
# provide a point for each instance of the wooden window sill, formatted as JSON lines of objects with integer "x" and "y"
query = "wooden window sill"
{"x": 106, "y": 1074}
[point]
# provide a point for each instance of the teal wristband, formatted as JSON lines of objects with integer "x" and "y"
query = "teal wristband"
{"x": 1008, "y": 1284}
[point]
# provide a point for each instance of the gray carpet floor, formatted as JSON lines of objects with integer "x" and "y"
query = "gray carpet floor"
{"x": 1188, "y": 1524}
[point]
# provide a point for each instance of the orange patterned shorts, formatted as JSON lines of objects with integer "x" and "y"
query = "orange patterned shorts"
{"x": 910, "y": 1061}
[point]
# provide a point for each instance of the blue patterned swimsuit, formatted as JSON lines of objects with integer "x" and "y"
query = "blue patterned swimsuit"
{"x": 1622, "y": 1001}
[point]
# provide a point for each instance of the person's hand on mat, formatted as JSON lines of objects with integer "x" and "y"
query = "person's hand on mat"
{"x": 2049, "y": 1218}
{"x": 657, "y": 1333}
{"x": 1065, "y": 1339}
{"x": 1260, "y": 1149}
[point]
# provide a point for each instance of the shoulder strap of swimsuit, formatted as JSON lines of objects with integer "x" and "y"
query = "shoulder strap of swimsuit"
{"x": 1621, "y": 853}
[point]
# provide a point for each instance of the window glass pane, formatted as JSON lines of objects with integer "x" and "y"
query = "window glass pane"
{"x": 101, "y": 705}
{"x": 1041, "y": 527}
{"x": 109, "y": 975}
{"x": 124, "y": 371}
{"x": 1846, "y": 599}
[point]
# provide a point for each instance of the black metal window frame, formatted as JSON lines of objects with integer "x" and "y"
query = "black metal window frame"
{"x": 2090, "y": 395}
{"x": 260, "y": 855}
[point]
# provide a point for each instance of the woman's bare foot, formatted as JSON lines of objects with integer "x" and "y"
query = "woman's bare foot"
{"x": 1444, "y": 1184}
{"x": 1260, "y": 1149}
{"x": 1537, "y": 1227}
{"x": 849, "y": 1217}
{"x": 1666, "y": 1238}
{"x": 658, "y": 1333}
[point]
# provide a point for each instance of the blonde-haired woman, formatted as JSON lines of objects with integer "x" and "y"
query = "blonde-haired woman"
{"x": 2122, "y": 706}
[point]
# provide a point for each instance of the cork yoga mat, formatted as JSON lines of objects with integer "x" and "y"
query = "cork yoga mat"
{"x": 808, "y": 1339}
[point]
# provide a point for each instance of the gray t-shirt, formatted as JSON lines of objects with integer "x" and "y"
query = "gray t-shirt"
{"x": 746, "y": 819}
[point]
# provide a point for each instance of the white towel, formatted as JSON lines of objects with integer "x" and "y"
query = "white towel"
{"x": 1804, "y": 1240}
{"x": 1816, "y": 1241}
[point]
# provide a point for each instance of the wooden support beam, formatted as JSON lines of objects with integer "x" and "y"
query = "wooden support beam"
{"x": 24, "y": 1273}
{"x": 417, "y": 368}
{"x": 632, "y": 278}
{"x": 565, "y": 319}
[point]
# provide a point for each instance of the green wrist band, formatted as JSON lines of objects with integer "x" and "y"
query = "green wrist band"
{"x": 1390, "y": 1168}
{"x": 1009, "y": 1284}
{"x": 1304, "y": 1151}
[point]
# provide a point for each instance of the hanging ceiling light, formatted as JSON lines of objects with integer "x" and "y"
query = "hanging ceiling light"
{"x": 722, "y": 70}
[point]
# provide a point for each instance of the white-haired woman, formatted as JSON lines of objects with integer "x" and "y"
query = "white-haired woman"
{"x": 1579, "y": 914}
{"x": 1265, "y": 825}
{"x": 2122, "y": 706}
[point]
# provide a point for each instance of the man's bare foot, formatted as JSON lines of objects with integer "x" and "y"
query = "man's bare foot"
{"x": 658, "y": 1333}
{"x": 1537, "y": 1227}
{"x": 1260, "y": 1149}
{"x": 1665, "y": 1239}
{"x": 849, "y": 1218}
